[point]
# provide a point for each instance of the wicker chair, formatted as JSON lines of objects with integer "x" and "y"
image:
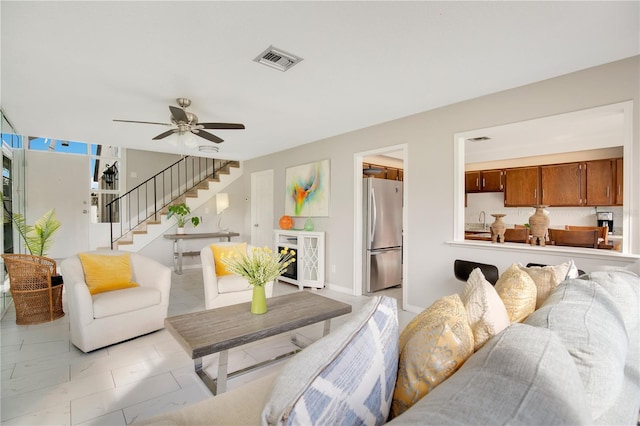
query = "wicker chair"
{"x": 34, "y": 298}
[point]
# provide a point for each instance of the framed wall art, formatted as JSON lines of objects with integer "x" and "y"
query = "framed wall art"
{"x": 307, "y": 189}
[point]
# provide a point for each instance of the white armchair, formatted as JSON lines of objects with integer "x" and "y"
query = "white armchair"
{"x": 114, "y": 316}
{"x": 226, "y": 289}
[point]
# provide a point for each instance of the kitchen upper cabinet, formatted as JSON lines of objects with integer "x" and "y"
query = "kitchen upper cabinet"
{"x": 562, "y": 185}
{"x": 492, "y": 180}
{"x": 472, "y": 181}
{"x": 484, "y": 181}
{"x": 618, "y": 183}
{"x": 384, "y": 172}
{"x": 599, "y": 182}
{"x": 522, "y": 187}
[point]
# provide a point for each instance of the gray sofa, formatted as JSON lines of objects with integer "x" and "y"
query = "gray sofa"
{"x": 575, "y": 360}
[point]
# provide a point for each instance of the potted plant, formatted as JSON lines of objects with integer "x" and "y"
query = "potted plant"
{"x": 37, "y": 237}
{"x": 259, "y": 266}
{"x": 181, "y": 212}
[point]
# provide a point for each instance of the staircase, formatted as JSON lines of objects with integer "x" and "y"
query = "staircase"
{"x": 140, "y": 216}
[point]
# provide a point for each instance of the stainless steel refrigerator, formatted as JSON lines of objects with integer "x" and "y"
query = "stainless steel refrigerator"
{"x": 382, "y": 233}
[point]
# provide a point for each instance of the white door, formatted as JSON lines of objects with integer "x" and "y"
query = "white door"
{"x": 262, "y": 208}
{"x": 60, "y": 181}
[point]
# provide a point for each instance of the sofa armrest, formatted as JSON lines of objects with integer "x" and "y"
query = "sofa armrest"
{"x": 77, "y": 293}
{"x": 229, "y": 408}
{"x": 209, "y": 275}
{"x": 151, "y": 273}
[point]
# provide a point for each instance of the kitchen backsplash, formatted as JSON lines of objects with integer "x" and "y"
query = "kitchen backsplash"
{"x": 559, "y": 216}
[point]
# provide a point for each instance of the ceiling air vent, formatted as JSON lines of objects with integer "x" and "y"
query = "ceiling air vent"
{"x": 278, "y": 59}
{"x": 479, "y": 139}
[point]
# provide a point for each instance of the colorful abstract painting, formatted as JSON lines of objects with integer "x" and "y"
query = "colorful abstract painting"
{"x": 307, "y": 189}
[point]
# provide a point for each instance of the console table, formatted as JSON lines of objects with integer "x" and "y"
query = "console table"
{"x": 178, "y": 252}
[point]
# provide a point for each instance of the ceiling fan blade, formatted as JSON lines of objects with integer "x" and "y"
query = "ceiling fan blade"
{"x": 165, "y": 134}
{"x": 221, "y": 125}
{"x": 143, "y": 122}
{"x": 179, "y": 114}
{"x": 208, "y": 136}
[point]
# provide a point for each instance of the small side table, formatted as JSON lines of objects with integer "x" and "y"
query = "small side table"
{"x": 178, "y": 251}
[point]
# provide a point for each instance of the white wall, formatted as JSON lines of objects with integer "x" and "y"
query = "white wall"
{"x": 141, "y": 165}
{"x": 429, "y": 137}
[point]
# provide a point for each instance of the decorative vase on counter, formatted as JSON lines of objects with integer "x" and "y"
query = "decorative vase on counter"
{"x": 259, "y": 300}
{"x": 539, "y": 224}
{"x": 497, "y": 228}
{"x": 308, "y": 225}
{"x": 180, "y": 230}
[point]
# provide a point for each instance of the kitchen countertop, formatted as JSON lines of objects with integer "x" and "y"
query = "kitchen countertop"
{"x": 485, "y": 235}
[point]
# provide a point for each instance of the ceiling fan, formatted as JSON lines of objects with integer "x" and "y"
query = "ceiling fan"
{"x": 184, "y": 121}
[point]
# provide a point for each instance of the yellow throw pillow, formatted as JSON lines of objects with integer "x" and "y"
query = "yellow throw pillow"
{"x": 106, "y": 273}
{"x": 432, "y": 347}
{"x": 518, "y": 292}
{"x": 218, "y": 251}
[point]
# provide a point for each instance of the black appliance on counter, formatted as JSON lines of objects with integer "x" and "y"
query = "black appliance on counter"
{"x": 605, "y": 219}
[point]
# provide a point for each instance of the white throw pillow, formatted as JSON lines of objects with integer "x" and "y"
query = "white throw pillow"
{"x": 485, "y": 310}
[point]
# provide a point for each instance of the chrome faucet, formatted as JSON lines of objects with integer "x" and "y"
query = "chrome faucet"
{"x": 484, "y": 220}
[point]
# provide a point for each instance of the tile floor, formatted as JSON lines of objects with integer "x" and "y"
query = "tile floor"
{"x": 45, "y": 380}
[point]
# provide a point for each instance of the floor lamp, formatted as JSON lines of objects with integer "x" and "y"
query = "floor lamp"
{"x": 222, "y": 203}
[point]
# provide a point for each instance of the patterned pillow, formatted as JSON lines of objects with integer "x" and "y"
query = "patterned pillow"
{"x": 432, "y": 347}
{"x": 347, "y": 377}
{"x": 546, "y": 278}
{"x": 518, "y": 292}
{"x": 485, "y": 310}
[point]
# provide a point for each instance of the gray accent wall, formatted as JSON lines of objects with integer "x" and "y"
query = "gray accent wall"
{"x": 430, "y": 174}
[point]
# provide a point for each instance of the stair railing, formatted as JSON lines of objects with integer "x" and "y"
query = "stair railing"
{"x": 144, "y": 203}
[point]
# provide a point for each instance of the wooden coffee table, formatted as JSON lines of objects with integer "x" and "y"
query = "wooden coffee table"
{"x": 218, "y": 330}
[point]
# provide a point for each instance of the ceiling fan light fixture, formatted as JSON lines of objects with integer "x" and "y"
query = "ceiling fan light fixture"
{"x": 208, "y": 148}
{"x": 186, "y": 125}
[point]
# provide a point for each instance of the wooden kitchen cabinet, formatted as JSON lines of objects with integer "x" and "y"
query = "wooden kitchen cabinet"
{"x": 472, "y": 181}
{"x": 492, "y": 180}
{"x": 618, "y": 182}
{"x": 562, "y": 185}
{"x": 599, "y": 182}
{"x": 522, "y": 187}
{"x": 484, "y": 181}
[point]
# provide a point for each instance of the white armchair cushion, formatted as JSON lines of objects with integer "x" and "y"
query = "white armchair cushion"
{"x": 127, "y": 300}
{"x": 232, "y": 283}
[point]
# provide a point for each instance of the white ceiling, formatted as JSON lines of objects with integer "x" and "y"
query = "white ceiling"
{"x": 593, "y": 128}
{"x": 69, "y": 68}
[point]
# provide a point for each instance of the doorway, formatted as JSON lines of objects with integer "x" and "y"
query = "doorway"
{"x": 55, "y": 180}
{"x": 398, "y": 152}
{"x": 262, "y": 208}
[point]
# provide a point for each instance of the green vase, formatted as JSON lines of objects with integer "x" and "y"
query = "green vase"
{"x": 259, "y": 300}
{"x": 308, "y": 225}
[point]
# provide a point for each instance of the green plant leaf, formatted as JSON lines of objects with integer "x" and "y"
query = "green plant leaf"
{"x": 21, "y": 226}
{"x": 181, "y": 212}
{"x": 39, "y": 239}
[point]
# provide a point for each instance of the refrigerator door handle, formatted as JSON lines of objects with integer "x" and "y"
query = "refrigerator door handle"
{"x": 372, "y": 231}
